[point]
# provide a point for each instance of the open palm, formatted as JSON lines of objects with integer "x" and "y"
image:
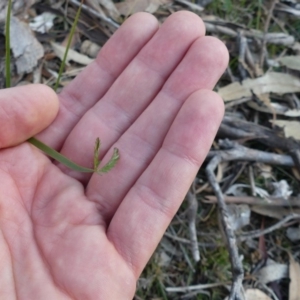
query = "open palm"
{"x": 69, "y": 235}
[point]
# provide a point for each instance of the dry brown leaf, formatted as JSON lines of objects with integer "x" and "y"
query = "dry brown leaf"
{"x": 265, "y": 170}
{"x": 292, "y": 62}
{"x": 290, "y": 128}
{"x": 275, "y": 212}
{"x": 292, "y": 113}
{"x": 272, "y": 272}
{"x": 276, "y": 108}
{"x": 72, "y": 55}
{"x": 239, "y": 215}
{"x": 25, "y": 47}
{"x": 294, "y": 290}
{"x": 234, "y": 91}
{"x": 18, "y": 7}
{"x": 274, "y": 82}
{"x": 43, "y": 22}
{"x": 293, "y": 233}
{"x": 129, "y": 7}
{"x": 256, "y": 294}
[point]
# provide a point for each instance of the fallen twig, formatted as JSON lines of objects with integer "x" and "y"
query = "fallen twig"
{"x": 193, "y": 287}
{"x": 277, "y": 38}
{"x": 234, "y": 151}
{"x": 258, "y": 233}
{"x": 239, "y": 129}
{"x": 192, "y": 214}
{"x": 266, "y": 28}
{"x": 96, "y": 14}
{"x": 270, "y": 201}
{"x": 236, "y": 264}
{"x": 186, "y": 241}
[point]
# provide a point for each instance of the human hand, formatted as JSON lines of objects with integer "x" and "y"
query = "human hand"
{"x": 68, "y": 235}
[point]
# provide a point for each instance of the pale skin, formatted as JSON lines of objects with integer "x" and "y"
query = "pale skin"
{"x": 69, "y": 235}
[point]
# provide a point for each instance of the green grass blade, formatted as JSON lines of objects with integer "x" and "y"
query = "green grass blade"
{"x": 62, "y": 66}
{"x": 114, "y": 159}
{"x": 7, "y": 45}
{"x": 96, "y": 154}
{"x": 57, "y": 156}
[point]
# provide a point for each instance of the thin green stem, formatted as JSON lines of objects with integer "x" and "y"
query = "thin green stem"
{"x": 62, "y": 65}
{"x": 7, "y": 46}
{"x": 57, "y": 156}
{"x": 72, "y": 165}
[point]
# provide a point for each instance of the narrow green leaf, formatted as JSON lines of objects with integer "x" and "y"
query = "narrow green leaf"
{"x": 58, "y": 157}
{"x": 7, "y": 46}
{"x": 114, "y": 159}
{"x": 62, "y": 65}
{"x": 96, "y": 154}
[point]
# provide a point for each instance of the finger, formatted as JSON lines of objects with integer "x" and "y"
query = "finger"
{"x": 91, "y": 84}
{"x": 25, "y": 111}
{"x": 149, "y": 206}
{"x": 135, "y": 88}
{"x": 201, "y": 68}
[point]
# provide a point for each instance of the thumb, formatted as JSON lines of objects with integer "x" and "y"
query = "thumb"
{"x": 25, "y": 111}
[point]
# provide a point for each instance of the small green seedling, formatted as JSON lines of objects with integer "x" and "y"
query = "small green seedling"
{"x": 46, "y": 149}
{"x": 70, "y": 164}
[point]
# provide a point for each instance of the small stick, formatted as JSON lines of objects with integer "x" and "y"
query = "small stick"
{"x": 266, "y": 28}
{"x": 234, "y": 151}
{"x": 237, "y": 291}
{"x": 192, "y": 214}
{"x": 258, "y": 233}
{"x": 96, "y": 14}
{"x": 270, "y": 201}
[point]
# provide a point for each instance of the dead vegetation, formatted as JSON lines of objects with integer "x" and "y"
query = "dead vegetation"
{"x": 238, "y": 229}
